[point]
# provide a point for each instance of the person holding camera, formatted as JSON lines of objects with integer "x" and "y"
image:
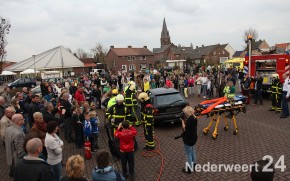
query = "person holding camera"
{"x": 189, "y": 136}
{"x": 126, "y": 133}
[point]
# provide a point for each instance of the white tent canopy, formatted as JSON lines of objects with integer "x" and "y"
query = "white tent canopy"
{"x": 5, "y": 72}
{"x": 29, "y": 71}
{"x": 56, "y": 58}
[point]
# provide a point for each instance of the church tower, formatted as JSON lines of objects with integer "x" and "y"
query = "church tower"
{"x": 165, "y": 38}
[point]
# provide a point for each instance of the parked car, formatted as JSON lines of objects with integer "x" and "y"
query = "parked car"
{"x": 37, "y": 90}
{"x": 55, "y": 80}
{"x": 168, "y": 104}
{"x": 23, "y": 82}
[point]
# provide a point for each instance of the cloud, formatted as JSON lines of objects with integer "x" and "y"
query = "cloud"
{"x": 41, "y": 25}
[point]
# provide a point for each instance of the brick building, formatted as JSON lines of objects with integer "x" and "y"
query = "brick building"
{"x": 212, "y": 54}
{"x": 258, "y": 47}
{"x": 89, "y": 63}
{"x": 129, "y": 58}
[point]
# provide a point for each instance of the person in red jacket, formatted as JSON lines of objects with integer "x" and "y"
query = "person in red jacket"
{"x": 126, "y": 133}
{"x": 80, "y": 96}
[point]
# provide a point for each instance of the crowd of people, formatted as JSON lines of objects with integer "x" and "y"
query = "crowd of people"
{"x": 30, "y": 123}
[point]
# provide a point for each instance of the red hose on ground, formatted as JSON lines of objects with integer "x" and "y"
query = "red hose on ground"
{"x": 154, "y": 153}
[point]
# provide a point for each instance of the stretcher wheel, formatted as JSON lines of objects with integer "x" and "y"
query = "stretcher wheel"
{"x": 236, "y": 132}
{"x": 226, "y": 128}
{"x": 214, "y": 136}
{"x": 205, "y": 131}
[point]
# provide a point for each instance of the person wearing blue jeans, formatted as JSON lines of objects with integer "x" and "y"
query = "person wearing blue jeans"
{"x": 56, "y": 171}
{"x": 189, "y": 137}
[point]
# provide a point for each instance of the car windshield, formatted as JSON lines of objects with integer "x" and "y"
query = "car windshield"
{"x": 168, "y": 99}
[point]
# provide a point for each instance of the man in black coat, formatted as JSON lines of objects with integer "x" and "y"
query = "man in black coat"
{"x": 258, "y": 89}
{"x": 67, "y": 115}
{"x": 31, "y": 167}
{"x": 33, "y": 107}
{"x": 49, "y": 112}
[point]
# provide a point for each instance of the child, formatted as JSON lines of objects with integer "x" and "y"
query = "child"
{"x": 161, "y": 82}
{"x": 153, "y": 84}
{"x": 106, "y": 88}
{"x": 95, "y": 128}
{"x": 146, "y": 85}
{"x": 78, "y": 126}
{"x": 209, "y": 89}
{"x": 93, "y": 106}
{"x": 126, "y": 133}
{"x": 88, "y": 132}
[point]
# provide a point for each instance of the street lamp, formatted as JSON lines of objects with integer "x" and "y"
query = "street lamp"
{"x": 34, "y": 65}
{"x": 249, "y": 38}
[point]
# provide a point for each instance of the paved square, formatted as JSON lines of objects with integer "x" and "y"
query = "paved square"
{"x": 261, "y": 133}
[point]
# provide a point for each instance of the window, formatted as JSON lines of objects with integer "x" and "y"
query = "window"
{"x": 114, "y": 63}
{"x": 131, "y": 67}
{"x": 129, "y": 58}
{"x": 144, "y": 57}
{"x": 223, "y": 52}
{"x": 167, "y": 99}
{"x": 124, "y": 67}
{"x": 133, "y": 58}
{"x": 214, "y": 52}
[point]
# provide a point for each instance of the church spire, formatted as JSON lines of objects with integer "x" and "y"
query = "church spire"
{"x": 165, "y": 37}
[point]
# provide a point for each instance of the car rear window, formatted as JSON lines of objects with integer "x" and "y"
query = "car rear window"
{"x": 168, "y": 99}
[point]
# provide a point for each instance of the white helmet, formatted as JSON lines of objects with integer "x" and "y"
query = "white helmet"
{"x": 119, "y": 97}
{"x": 132, "y": 87}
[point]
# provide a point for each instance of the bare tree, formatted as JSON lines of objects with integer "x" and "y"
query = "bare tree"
{"x": 81, "y": 53}
{"x": 99, "y": 52}
{"x": 4, "y": 29}
{"x": 250, "y": 32}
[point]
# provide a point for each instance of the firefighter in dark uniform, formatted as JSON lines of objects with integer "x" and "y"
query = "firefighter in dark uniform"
{"x": 276, "y": 94}
{"x": 117, "y": 113}
{"x": 131, "y": 104}
{"x": 147, "y": 120}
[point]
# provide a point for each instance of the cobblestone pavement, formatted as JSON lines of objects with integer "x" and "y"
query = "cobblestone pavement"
{"x": 261, "y": 133}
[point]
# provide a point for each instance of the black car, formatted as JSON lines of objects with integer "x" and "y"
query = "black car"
{"x": 23, "y": 82}
{"x": 168, "y": 104}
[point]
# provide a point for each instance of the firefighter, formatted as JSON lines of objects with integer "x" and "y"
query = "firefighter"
{"x": 131, "y": 82}
{"x": 117, "y": 113}
{"x": 131, "y": 104}
{"x": 112, "y": 100}
{"x": 147, "y": 120}
{"x": 276, "y": 94}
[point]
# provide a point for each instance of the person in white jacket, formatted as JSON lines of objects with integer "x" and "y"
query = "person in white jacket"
{"x": 54, "y": 147}
{"x": 204, "y": 81}
{"x": 198, "y": 83}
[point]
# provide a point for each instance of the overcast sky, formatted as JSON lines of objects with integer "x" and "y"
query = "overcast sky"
{"x": 39, "y": 25}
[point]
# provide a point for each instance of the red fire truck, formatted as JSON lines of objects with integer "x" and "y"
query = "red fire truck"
{"x": 269, "y": 65}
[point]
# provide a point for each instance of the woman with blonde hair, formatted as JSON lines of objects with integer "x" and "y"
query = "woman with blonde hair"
{"x": 189, "y": 136}
{"x": 75, "y": 169}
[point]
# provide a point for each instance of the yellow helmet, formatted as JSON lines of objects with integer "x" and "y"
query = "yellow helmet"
{"x": 119, "y": 97}
{"x": 143, "y": 96}
{"x": 115, "y": 91}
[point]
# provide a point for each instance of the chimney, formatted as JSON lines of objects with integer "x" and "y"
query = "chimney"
{"x": 112, "y": 46}
{"x": 145, "y": 46}
{"x": 196, "y": 47}
{"x": 129, "y": 46}
{"x": 202, "y": 46}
